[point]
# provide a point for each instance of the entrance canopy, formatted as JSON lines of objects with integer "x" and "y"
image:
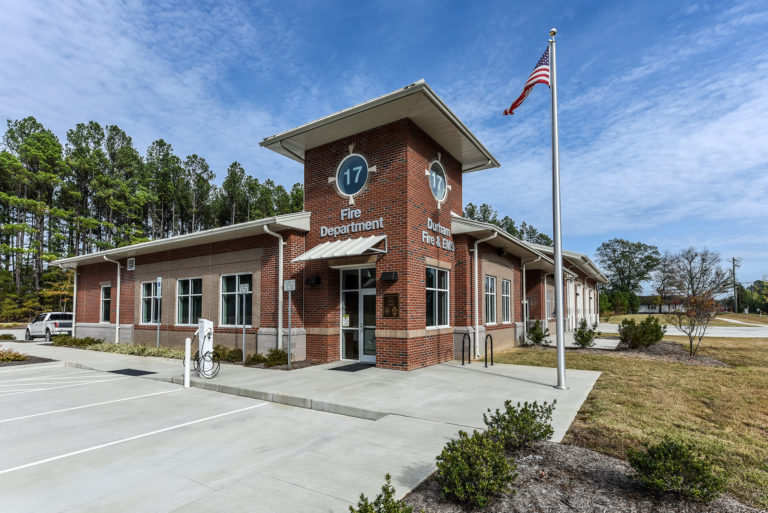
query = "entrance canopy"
{"x": 344, "y": 248}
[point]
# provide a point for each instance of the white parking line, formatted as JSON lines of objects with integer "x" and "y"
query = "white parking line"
{"x": 59, "y": 381}
{"x": 62, "y": 386}
{"x": 123, "y": 440}
{"x": 46, "y": 376}
{"x": 90, "y": 405}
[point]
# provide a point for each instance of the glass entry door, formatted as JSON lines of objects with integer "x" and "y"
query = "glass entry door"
{"x": 358, "y": 314}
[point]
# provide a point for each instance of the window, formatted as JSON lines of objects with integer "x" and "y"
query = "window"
{"x": 490, "y": 300}
{"x": 437, "y": 298}
{"x": 232, "y": 308}
{"x": 106, "y": 302}
{"x": 506, "y": 301}
{"x": 190, "y": 300}
{"x": 150, "y": 303}
{"x": 549, "y": 304}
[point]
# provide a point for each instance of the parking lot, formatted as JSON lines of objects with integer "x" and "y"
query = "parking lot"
{"x": 81, "y": 440}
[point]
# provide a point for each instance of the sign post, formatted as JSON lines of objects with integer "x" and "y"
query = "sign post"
{"x": 159, "y": 294}
{"x": 243, "y": 291}
{"x": 289, "y": 286}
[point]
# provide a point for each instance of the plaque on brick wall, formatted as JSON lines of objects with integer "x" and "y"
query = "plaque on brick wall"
{"x": 391, "y": 304}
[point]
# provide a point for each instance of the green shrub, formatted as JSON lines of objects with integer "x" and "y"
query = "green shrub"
{"x": 383, "y": 503}
{"x": 276, "y": 357}
{"x": 584, "y": 334}
{"x": 228, "y": 355}
{"x": 522, "y": 425}
{"x": 644, "y": 334}
{"x": 137, "y": 350}
{"x": 9, "y": 355}
{"x": 7, "y": 336}
{"x": 537, "y": 334}
{"x": 676, "y": 466}
{"x": 66, "y": 340}
{"x": 472, "y": 469}
{"x": 255, "y": 359}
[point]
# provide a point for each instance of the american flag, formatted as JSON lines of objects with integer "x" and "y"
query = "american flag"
{"x": 540, "y": 75}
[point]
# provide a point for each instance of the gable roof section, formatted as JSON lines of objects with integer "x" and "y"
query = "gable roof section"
{"x": 579, "y": 260}
{"x": 416, "y": 101}
{"x": 297, "y": 221}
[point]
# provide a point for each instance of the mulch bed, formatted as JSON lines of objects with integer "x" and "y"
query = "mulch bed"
{"x": 30, "y": 359}
{"x": 294, "y": 365}
{"x": 564, "y": 478}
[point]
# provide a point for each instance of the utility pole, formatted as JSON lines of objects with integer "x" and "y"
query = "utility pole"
{"x": 734, "y": 265}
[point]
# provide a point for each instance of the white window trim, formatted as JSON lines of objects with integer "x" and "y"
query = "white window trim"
{"x": 176, "y": 306}
{"x": 447, "y": 295}
{"x": 508, "y": 298}
{"x": 141, "y": 303}
{"x": 495, "y": 316}
{"x": 221, "y": 297}
{"x": 549, "y": 309}
{"x": 101, "y": 305}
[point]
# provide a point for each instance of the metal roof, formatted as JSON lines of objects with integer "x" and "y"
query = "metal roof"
{"x": 343, "y": 248}
{"x": 296, "y": 221}
{"x": 416, "y": 101}
{"x": 580, "y": 260}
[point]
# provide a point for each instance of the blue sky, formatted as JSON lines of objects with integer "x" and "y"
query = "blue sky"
{"x": 663, "y": 105}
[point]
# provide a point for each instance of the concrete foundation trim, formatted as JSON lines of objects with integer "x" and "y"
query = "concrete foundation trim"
{"x": 266, "y": 339}
{"x": 458, "y": 337}
{"x": 382, "y": 333}
{"x": 104, "y": 331}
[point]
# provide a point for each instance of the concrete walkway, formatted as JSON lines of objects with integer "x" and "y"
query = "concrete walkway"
{"x": 712, "y": 331}
{"x": 448, "y": 393}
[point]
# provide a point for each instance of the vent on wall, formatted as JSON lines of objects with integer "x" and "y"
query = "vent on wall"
{"x": 130, "y": 264}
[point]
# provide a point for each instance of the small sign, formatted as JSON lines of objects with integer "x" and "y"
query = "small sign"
{"x": 159, "y": 285}
{"x": 391, "y": 304}
{"x": 244, "y": 289}
{"x": 289, "y": 285}
{"x": 345, "y": 321}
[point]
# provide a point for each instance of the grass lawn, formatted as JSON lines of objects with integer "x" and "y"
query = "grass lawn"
{"x": 752, "y": 318}
{"x": 724, "y": 409}
{"x": 663, "y": 319}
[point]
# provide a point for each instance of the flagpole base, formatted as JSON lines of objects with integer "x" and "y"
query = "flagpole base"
{"x": 560, "y": 387}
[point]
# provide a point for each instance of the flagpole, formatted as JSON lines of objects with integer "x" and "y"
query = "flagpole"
{"x": 559, "y": 309}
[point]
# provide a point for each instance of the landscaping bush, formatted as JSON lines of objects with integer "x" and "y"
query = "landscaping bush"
{"x": 643, "y": 334}
{"x": 522, "y": 425}
{"x": 536, "y": 335}
{"x": 228, "y": 355}
{"x": 255, "y": 359}
{"x": 9, "y": 355}
{"x": 584, "y": 334}
{"x": 66, "y": 340}
{"x": 472, "y": 469}
{"x": 7, "y": 336}
{"x": 383, "y": 503}
{"x": 676, "y": 466}
{"x": 276, "y": 357}
{"x": 136, "y": 350}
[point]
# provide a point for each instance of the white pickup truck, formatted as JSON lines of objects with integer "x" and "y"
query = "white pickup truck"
{"x": 49, "y": 325}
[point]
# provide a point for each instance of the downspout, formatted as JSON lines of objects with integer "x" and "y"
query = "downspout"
{"x": 117, "y": 308}
{"x": 477, "y": 312}
{"x": 74, "y": 302}
{"x": 525, "y": 298}
{"x": 279, "y": 285}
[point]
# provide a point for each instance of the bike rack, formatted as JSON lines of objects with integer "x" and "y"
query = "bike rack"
{"x": 487, "y": 337}
{"x": 470, "y": 348}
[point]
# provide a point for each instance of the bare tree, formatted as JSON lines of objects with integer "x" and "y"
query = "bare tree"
{"x": 662, "y": 279}
{"x": 697, "y": 276}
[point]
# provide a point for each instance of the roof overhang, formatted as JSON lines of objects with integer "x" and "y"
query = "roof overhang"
{"x": 344, "y": 248}
{"x": 417, "y": 101}
{"x": 532, "y": 258}
{"x": 578, "y": 260}
{"x": 298, "y": 221}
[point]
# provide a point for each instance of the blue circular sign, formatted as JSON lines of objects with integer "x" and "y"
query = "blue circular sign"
{"x": 352, "y": 174}
{"x": 437, "y": 180}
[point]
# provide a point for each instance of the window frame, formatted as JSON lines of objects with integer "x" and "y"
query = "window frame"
{"x": 190, "y": 296}
{"x": 490, "y": 306}
{"x": 101, "y": 305}
{"x": 548, "y": 304}
{"x": 238, "y": 302}
{"x": 506, "y": 301}
{"x": 156, "y": 304}
{"x": 437, "y": 290}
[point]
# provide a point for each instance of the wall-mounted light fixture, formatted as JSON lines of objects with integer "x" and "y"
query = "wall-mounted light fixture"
{"x": 313, "y": 280}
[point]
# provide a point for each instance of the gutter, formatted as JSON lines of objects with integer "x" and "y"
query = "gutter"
{"x": 117, "y": 308}
{"x": 280, "y": 244}
{"x": 477, "y": 313}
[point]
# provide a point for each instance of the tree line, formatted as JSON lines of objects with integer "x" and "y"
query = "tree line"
{"x": 95, "y": 191}
{"x": 524, "y": 232}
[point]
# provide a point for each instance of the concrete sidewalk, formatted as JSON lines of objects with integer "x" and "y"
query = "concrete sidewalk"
{"x": 448, "y": 393}
{"x": 737, "y": 331}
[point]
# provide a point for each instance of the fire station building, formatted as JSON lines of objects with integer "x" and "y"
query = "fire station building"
{"x": 383, "y": 267}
